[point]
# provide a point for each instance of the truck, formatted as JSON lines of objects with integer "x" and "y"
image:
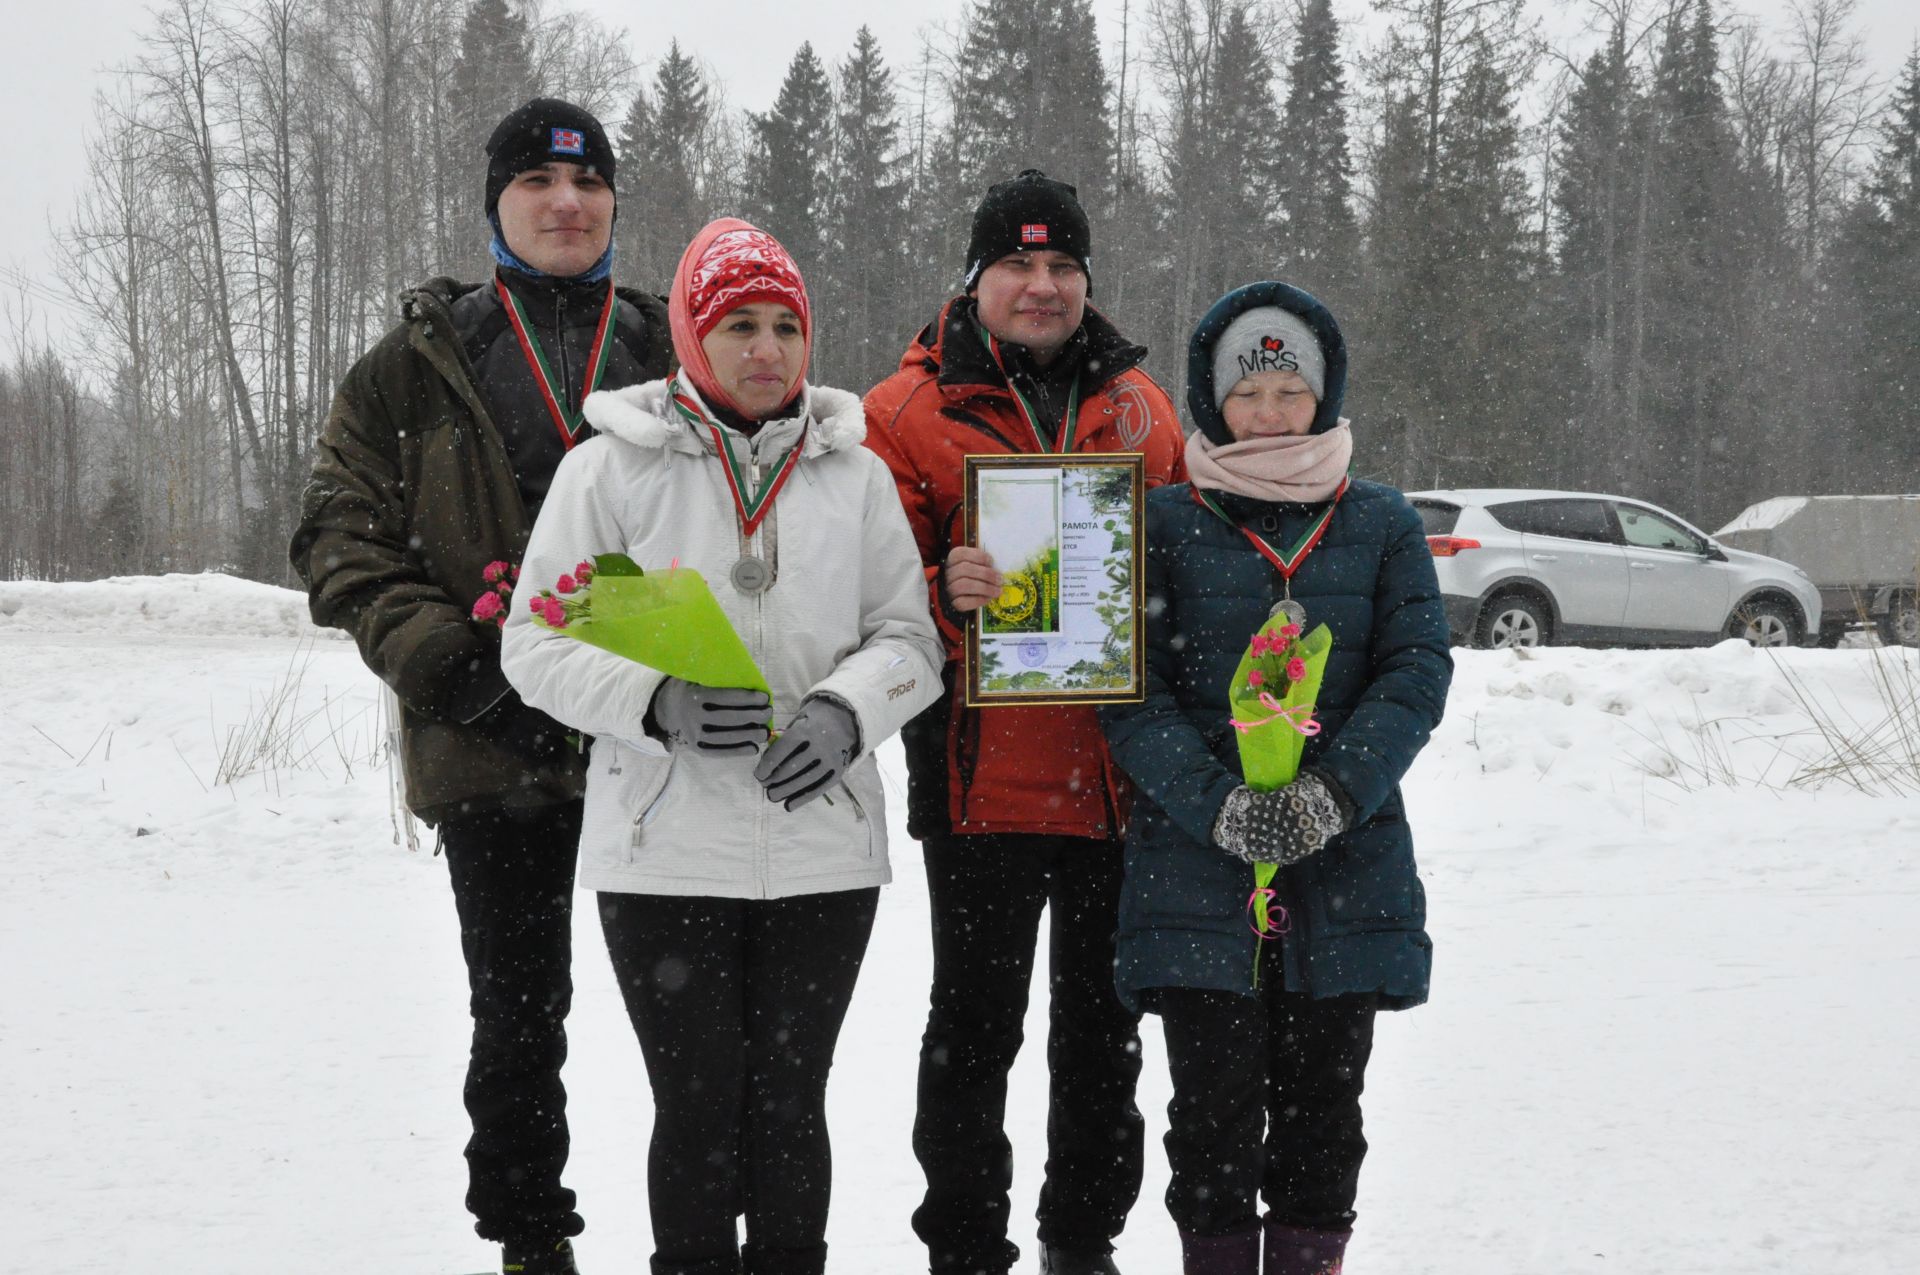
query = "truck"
{"x": 1863, "y": 552}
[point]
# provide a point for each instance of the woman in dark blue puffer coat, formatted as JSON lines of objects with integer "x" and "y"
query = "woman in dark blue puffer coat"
{"x": 1268, "y": 1039}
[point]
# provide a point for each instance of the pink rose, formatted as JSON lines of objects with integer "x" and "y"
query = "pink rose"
{"x": 583, "y": 572}
{"x": 565, "y": 584}
{"x": 1256, "y": 678}
{"x": 1290, "y": 630}
{"x": 487, "y": 606}
{"x": 1296, "y": 669}
{"x": 494, "y": 571}
{"x": 537, "y": 605}
{"x": 1259, "y": 645}
{"x": 556, "y": 613}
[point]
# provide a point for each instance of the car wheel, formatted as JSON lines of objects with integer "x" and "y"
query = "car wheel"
{"x": 1900, "y": 626}
{"x": 1513, "y": 620}
{"x": 1765, "y": 622}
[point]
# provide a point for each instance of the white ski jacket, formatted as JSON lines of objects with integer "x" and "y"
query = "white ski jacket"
{"x": 846, "y": 616}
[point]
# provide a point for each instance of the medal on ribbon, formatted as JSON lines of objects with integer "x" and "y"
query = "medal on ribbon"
{"x": 568, "y": 418}
{"x": 1285, "y": 563}
{"x": 752, "y": 501}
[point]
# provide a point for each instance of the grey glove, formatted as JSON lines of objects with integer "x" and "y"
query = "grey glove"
{"x": 812, "y": 752}
{"x": 1285, "y": 825}
{"x": 713, "y": 719}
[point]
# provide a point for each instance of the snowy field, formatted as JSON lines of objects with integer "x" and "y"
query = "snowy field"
{"x": 1676, "y": 994}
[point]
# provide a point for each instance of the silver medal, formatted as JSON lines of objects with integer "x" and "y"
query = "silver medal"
{"x": 1291, "y": 611}
{"x": 752, "y": 575}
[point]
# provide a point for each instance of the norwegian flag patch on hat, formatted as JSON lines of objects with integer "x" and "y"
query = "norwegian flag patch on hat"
{"x": 568, "y": 141}
{"x": 1033, "y": 233}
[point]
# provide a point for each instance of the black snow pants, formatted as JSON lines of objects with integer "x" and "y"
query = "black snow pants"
{"x": 1266, "y": 1106}
{"x": 986, "y": 893}
{"x": 738, "y": 1004}
{"x": 513, "y": 886}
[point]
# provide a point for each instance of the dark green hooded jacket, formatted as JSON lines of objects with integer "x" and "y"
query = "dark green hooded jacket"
{"x": 1356, "y": 910}
{"x": 412, "y": 495}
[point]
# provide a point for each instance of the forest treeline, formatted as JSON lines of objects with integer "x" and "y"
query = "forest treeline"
{"x": 1682, "y": 261}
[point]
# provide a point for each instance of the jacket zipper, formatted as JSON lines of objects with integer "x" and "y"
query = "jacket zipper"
{"x": 762, "y": 852}
{"x": 560, "y": 339}
{"x": 647, "y": 812}
{"x": 859, "y": 814}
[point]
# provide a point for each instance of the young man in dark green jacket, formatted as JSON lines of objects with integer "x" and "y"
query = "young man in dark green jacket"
{"x": 440, "y": 446}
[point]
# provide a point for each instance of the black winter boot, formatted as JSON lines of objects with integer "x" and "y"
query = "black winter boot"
{"x": 1064, "y": 1261}
{"x": 544, "y": 1258}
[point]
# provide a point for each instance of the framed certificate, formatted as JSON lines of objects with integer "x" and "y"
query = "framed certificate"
{"x": 1065, "y": 534}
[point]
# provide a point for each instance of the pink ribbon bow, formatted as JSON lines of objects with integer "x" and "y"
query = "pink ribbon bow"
{"x": 1277, "y": 924}
{"x": 1300, "y": 717}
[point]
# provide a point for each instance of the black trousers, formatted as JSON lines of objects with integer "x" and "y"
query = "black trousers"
{"x": 513, "y": 886}
{"x": 987, "y": 893}
{"x": 737, "y": 1004}
{"x": 1266, "y": 1106}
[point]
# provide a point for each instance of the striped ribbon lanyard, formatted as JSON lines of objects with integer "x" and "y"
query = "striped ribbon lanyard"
{"x": 568, "y": 418}
{"x": 1065, "y": 439}
{"x": 1288, "y": 562}
{"x": 751, "y": 503}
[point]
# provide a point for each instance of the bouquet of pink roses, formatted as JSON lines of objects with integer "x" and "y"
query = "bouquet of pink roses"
{"x": 491, "y": 606}
{"x": 1272, "y": 698}
{"x": 667, "y": 620}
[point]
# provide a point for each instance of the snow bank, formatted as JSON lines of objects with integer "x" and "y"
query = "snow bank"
{"x": 1673, "y": 1020}
{"x": 204, "y": 605}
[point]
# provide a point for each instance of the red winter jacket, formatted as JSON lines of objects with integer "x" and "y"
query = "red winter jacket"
{"x": 1005, "y": 769}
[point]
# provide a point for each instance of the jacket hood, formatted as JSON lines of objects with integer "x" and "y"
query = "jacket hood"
{"x": 643, "y": 415}
{"x": 950, "y": 348}
{"x": 1304, "y": 305}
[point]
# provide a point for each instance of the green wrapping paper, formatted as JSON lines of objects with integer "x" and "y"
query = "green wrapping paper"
{"x": 1271, "y": 742}
{"x": 667, "y": 620}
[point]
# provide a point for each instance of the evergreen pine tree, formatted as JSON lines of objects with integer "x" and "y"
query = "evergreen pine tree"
{"x": 1600, "y": 144}
{"x": 662, "y": 145}
{"x": 1481, "y": 368}
{"x": 1245, "y": 240}
{"x": 1030, "y": 92}
{"x": 792, "y": 147}
{"x": 492, "y": 75}
{"x": 867, "y": 280}
{"x": 1314, "y": 166}
{"x": 1687, "y": 266}
{"x": 1388, "y": 331}
{"x": 1877, "y": 264}
{"x": 1217, "y": 147}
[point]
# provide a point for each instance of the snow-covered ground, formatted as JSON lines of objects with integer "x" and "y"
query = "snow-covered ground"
{"x": 1676, "y": 994}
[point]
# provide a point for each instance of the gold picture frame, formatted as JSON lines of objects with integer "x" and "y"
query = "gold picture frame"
{"x": 1067, "y": 535}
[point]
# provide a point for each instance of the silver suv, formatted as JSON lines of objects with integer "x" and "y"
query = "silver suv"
{"x": 1525, "y": 568}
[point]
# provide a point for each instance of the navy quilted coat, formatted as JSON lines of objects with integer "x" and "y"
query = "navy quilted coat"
{"x": 1357, "y": 911}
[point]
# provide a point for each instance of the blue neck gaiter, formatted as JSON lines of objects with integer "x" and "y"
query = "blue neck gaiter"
{"x": 505, "y": 256}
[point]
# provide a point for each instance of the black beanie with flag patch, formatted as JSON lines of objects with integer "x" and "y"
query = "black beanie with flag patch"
{"x": 1027, "y": 213}
{"x": 545, "y": 130}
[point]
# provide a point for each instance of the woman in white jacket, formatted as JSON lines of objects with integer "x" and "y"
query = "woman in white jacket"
{"x": 738, "y": 878}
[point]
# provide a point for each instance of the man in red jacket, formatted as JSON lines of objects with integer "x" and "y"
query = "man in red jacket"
{"x": 1018, "y": 809}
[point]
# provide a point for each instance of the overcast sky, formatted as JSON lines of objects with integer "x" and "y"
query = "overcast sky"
{"x": 55, "y": 55}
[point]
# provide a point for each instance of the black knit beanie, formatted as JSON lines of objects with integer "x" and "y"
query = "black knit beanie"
{"x": 544, "y": 131}
{"x": 1028, "y": 212}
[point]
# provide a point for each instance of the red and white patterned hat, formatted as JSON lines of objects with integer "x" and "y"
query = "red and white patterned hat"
{"x": 730, "y": 263}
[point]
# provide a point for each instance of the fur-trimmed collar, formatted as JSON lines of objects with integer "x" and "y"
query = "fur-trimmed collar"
{"x": 643, "y": 416}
